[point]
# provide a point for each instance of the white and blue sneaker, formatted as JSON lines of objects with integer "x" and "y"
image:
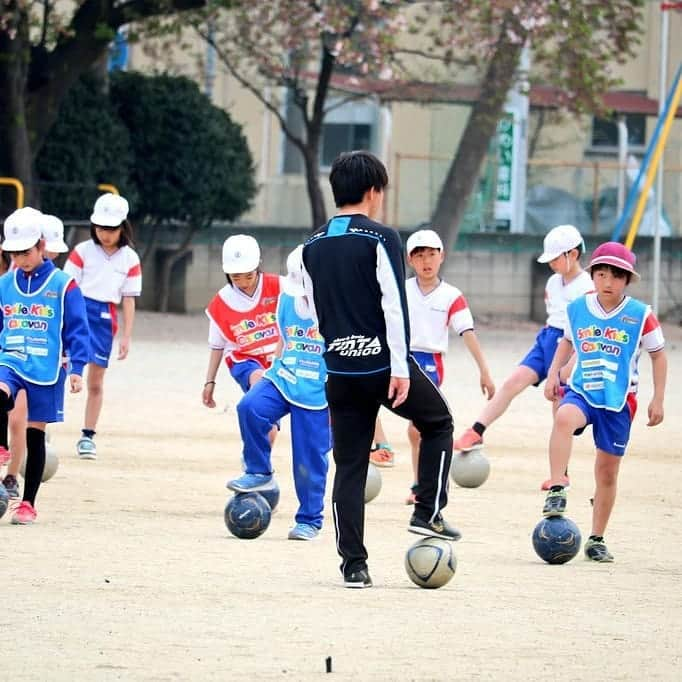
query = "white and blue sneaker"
{"x": 304, "y": 531}
{"x": 248, "y": 483}
{"x": 86, "y": 448}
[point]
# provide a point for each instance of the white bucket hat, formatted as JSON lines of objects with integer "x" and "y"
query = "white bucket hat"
{"x": 110, "y": 210}
{"x": 241, "y": 254}
{"x": 559, "y": 240}
{"x": 23, "y": 229}
{"x": 53, "y": 232}
{"x": 425, "y": 238}
{"x": 292, "y": 284}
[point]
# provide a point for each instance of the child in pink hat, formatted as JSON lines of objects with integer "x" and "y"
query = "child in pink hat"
{"x": 607, "y": 329}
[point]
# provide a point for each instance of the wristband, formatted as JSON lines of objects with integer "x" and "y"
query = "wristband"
{"x": 209, "y": 382}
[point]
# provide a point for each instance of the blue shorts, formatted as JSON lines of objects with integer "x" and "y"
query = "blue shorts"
{"x": 431, "y": 363}
{"x": 45, "y": 403}
{"x": 241, "y": 371}
{"x": 539, "y": 357}
{"x": 103, "y": 327}
{"x": 610, "y": 430}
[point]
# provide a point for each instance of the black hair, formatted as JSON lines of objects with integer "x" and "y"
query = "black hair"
{"x": 125, "y": 238}
{"x": 616, "y": 272}
{"x": 5, "y": 262}
{"x": 419, "y": 249}
{"x": 355, "y": 173}
{"x": 8, "y": 254}
{"x": 229, "y": 279}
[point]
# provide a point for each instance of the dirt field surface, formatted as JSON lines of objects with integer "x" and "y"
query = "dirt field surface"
{"x": 130, "y": 573}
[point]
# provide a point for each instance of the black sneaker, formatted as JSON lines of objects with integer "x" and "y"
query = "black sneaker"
{"x": 555, "y": 502}
{"x": 357, "y": 579}
{"x": 595, "y": 550}
{"x": 12, "y": 486}
{"x": 438, "y": 528}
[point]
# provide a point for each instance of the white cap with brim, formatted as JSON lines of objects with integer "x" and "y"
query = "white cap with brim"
{"x": 110, "y": 210}
{"x": 241, "y": 254}
{"x": 23, "y": 229}
{"x": 424, "y": 238}
{"x": 292, "y": 284}
{"x": 559, "y": 240}
{"x": 53, "y": 232}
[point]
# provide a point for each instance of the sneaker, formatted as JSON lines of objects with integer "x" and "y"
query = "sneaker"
{"x": 303, "y": 531}
{"x": 565, "y": 481}
{"x": 412, "y": 497}
{"x": 25, "y": 514}
{"x": 438, "y": 528}
{"x": 469, "y": 440}
{"x": 5, "y": 456}
{"x": 250, "y": 483}
{"x": 595, "y": 550}
{"x": 382, "y": 455}
{"x": 12, "y": 486}
{"x": 86, "y": 448}
{"x": 357, "y": 579}
{"x": 555, "y": 502}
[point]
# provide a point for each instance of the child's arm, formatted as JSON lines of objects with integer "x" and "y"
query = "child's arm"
{"x": 561, "y": 356}
{"x": 76, "y": 334}
{"x": 128, "y": 304}
{"x": 659, "y": 367}
{"x": 214, "y": 360}
{"x": 474, "y": 347}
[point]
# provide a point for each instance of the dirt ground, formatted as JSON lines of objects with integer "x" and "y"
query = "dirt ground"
{"x": 130, "y": 573}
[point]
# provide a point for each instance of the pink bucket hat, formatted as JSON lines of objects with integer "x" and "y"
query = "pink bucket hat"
{"x": 617, "y": 255}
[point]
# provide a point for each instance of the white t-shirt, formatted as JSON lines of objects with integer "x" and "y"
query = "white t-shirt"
{"x": 558, "y": 295}
{"x": 432, "y": 314}
{"x": 105, "y": 277}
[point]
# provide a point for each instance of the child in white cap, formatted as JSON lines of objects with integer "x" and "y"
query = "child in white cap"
{"x": 108, "y": 271}
{"x": 294, "y": 385}
{"x": 40, "y": 298}
{"x": 563, "y": 245}
{"x": 607, "y": 330}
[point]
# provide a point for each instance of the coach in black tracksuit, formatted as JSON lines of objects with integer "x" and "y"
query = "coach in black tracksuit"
{"x": 354, "y": 273}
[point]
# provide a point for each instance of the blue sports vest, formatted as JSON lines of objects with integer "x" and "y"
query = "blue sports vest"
{"x": 300, "y": 373}
{"x": 604, "y": 351}
{"x": 31, "y": 337}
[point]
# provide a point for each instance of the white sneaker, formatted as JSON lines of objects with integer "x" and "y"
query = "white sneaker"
{"x": 86, "y": 448}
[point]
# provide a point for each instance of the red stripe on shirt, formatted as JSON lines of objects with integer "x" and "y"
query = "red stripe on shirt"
{"x": 135, "y": 271}
{"x": 650, "y": 324}
{"x": 460, "y": 303}
{"x": 76, "y": 259}
{"x": 72, "y": 285}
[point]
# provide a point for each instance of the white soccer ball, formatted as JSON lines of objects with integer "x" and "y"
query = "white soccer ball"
{"x": 469, "y": 469}
{"x": 373, "y": 484}
{"x": 51, "y": 463}
{"x": 430, "y": 563}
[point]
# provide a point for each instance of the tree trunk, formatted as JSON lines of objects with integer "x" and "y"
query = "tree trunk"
{"x": 169, "y": 261}
{"x": 15, "y": 146}
{"x": 465, "y": 169}
{"x": 311, "y": 158}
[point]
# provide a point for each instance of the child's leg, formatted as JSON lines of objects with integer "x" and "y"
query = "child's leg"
{"x": 310, "y": 442}
{"x": 568, "y": 419}
{"x": 254, "y": 377}
{"x": 93, "y": 404}
{"x": 606, "y": 467}
{"x": 381, "y": 454}
{"x": 17, "y": 433}
{"x": 519, "y": 380}
{"x": 260, "y": 407}
{"x": 35, "y": 460}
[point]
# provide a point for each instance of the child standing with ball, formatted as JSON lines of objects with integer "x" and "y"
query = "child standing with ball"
{"x": 607, "y": 330}
{"x": 108, "y": 271}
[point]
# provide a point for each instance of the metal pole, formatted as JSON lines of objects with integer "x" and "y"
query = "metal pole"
{"x": 622, "y": 161}
{"x": 662, "y": 82}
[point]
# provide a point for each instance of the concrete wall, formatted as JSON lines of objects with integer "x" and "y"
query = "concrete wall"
{"x": 497, "y": 272}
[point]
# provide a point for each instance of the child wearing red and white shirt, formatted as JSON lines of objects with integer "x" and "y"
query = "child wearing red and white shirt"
{"x": 108, "y": 271}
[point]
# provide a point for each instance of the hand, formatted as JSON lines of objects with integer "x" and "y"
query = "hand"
{"x": 487, "y": 385}
{"x": 655, "y": 412}
{"x": 123, "y": 348}
{"x": 552, "y": 387}
{"x": 76, "y": 383}
{"x": 207, "y": 395}
{"x": 398, "y": 388}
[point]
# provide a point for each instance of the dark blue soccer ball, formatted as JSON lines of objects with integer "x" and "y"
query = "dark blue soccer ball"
{"x": 272, "y": 496}
{"x": 247, "y": 515}
{"x": 4, "y": 500}
{"x": 556, "y": 539}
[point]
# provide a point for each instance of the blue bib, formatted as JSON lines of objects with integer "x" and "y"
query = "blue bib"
{"x": 31, "y": 337}
{"x": 605, "y": 348}
{"x": 300, "y": 373}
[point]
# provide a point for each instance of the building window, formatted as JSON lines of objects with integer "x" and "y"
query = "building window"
{"x": 605, "y": 132}
{"x": 347, "y": 126}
